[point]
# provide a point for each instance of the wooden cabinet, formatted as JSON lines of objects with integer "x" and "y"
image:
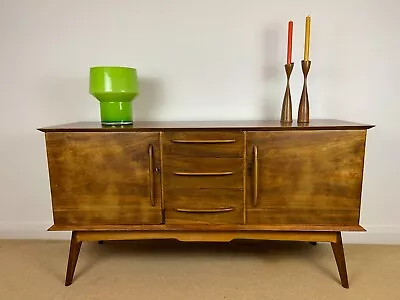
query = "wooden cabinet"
{"x": 207, "y": 181}
{"x": 104, "y": 178}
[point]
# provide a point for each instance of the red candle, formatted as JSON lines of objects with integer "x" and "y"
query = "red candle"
{"x": 290, "y": 40}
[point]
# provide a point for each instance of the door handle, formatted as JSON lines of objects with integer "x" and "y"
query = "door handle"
{"x": 151, "y": 175}
{"x": 255, "y": 176}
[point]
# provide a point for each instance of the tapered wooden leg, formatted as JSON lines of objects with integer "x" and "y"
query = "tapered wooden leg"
{"x": 74, "y": 249}
{"x": 338, "y": 251}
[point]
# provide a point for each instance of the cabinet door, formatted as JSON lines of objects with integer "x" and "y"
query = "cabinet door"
{"x": 304, "y": 177}
{"x": 104, "y": 177}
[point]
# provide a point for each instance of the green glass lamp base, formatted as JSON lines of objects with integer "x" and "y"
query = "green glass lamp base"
{"x": 116, "y": 113}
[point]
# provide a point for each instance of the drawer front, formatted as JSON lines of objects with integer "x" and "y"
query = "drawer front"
{"x": 203, "y": 173}
{"x": 204, "y": 206}
{"x": 203, "y": 144}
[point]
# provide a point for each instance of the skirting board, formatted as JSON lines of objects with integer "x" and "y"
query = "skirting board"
{"x": 375, "y": 234}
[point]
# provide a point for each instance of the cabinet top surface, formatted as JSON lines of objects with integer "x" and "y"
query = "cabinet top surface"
{"x": 265, "y": 125}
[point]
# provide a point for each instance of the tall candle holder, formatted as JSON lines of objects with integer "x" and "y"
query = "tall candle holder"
{"x": 304, "y": 108}
{"x": 286, "y": 114}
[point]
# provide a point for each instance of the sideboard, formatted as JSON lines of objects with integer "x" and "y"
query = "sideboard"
{"x": 207, "y": 181}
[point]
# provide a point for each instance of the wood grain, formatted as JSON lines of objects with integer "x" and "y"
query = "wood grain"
{"x": 245, "y": 179}
{"x": 162, "y": 179}
{"x": 175, "y": 151}
{"x": 207, "y": 236}
{"x": 262, "y": 125}
{"x": 203, "y": 199}
{"x": 308, "y": 177}
{"x": 103, "y": 178}
{"x": 211, "y": 173}
{"x": 75, "y": 247}
{"x": 337, "y": 248}
{"x": 116, "y": 214}
{"x": 215, "y": 227}
{"x": 200, "y": 178}
{"x": 315, "y": 216}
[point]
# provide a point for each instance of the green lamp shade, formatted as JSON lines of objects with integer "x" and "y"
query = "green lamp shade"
{"x": 115, "y": 88}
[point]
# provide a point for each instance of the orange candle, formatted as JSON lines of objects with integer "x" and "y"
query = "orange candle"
{"x": 290, "y": 42}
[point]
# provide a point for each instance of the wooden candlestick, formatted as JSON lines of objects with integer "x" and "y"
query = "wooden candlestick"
{"x": 304, "y": 109}
{"x": 286, "y": 114}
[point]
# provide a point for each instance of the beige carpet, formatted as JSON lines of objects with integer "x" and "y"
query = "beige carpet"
{"x": 172, "y": 270}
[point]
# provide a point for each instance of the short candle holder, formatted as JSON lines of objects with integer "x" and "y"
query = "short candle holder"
{"x": 304, "y": 109}
{"x": 286, "y": 114}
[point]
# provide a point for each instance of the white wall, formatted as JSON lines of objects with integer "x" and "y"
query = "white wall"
{"x": 197, "y": 59}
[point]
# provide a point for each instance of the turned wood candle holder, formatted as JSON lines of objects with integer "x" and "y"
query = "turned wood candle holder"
{"x": 286, "y": 114}
{"x": 304, "y": 107}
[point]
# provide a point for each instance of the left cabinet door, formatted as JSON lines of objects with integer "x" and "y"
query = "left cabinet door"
{"x": 105, "y": 178}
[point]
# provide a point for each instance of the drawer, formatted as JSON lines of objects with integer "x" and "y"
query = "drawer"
{"x": 204, "y": 206}
{"x": 203, "y": 173}
{"x": 203, "y": 144}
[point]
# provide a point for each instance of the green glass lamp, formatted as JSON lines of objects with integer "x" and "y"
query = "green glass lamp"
{"x": 115, "y": 88}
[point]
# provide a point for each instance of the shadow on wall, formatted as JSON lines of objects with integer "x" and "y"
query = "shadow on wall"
{"x": 147, "y": 105}
{"x": 274, "y": 81}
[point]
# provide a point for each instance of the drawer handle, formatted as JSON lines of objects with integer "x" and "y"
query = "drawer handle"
{"x": 209, "y": 210}
{"x": 255, "y": 177}
{"x": 203, "y": 173}
{"x": 151, "y": 175}
{"x": 203, "y": 141}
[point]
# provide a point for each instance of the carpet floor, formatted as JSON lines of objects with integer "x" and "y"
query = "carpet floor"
{"x": 34, "y": 269}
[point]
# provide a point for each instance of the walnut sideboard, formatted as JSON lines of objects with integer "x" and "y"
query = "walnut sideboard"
{"x": 207, "y": 181}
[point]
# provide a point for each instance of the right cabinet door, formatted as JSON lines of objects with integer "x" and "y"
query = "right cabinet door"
{"x": 304, "y": 177}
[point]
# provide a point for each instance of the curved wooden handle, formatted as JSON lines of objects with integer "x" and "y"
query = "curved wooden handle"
{"x": 203, "y": 173}
{"x": 206, "y": 210}
{"x": 255, "y": 177}
{"x": 204, "y": 141}
{"x": 151, "y": 175}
